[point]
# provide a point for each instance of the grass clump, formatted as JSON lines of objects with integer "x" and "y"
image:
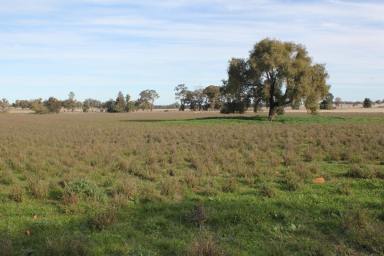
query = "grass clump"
{"x": 204, "y": 245}
{"x": 291, "y": 181}
{"x": 102, "y": 219}
{"x": 364, "y": 232}
{"x": 37, "y": 188}
{"x": 74, "y": 245}
{"x": 16, "y": 193}
{"x": 360, "y": 172}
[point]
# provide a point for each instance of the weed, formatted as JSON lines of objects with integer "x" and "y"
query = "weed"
{"x": 360, "y": 172}
{"x": 16, "y": 193}
{"x": 230, "y": 185}
{"x": 103, "y": 219}
{"x": 204, "y": 245}
{"x": 291, "y": 181}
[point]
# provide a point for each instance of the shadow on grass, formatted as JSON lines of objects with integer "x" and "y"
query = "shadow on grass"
{"x": 290, "y": 119}
{"x": 166, "y": 228}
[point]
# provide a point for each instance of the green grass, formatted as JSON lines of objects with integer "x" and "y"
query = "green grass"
{"x": 262, "y": 119}
{"x": 119, "y": 185}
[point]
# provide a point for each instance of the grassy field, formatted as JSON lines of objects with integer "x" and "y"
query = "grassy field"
{"x": 191, "y": 184}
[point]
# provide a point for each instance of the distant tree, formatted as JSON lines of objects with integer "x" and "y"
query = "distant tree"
{"x": 91, "y": 103}
{"x": 338, "y": 102}
{"x": 70, "y": 103}
{"x": 120, "y": 104}
{"x": 130, "y": 105}
{"x": 238, "y": 89}
{"x": 38, "y": 107}
{"x": 212, "y": 93}
{"x": 327, "y": 102}
{"x": 367, "y": 103}
{"x": 147, "y": 99}
{"x": 109, "y": 106}
{"x": 377, "y": 101}
{"x": 296, "y": 105}
{"x": 4, "y": 105}
{"x": 181, "y": 93}
{"x": 278, "y": 73}
{"x": 53, "y": 105}
{"x": 24, "y": 104}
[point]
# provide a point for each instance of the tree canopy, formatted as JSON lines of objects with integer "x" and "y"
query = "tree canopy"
{"x": 277, "y": 73}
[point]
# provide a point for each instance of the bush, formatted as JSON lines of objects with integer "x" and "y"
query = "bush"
{"x": 37, "y": 188}
{"x": 16, "y": 193}
{"x": 6, "y": 246}
{"x": 86, "y": 189}
{"x": 363, "y": 231}
{"x": 101, "y": 220}
{"x": 360, "y": 172}
{"x": 67, "y": 245}
{"x": 267, "y": 191}
{"x": 367, "y": 103}
{"x": 198, "y": 215}
{"x": 229, "y": 186}
{"x": 291, "y": 181}
{"x": 204, "y": 245}
{"x": 6, "y": 178}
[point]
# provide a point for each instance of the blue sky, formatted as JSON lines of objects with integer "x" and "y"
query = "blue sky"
{"x": 98, "y": 47}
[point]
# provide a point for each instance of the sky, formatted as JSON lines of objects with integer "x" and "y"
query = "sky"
{"x": 96, "y": 48}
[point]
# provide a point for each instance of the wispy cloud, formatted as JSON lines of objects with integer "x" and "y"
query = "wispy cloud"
{"x": 117, "y": 43}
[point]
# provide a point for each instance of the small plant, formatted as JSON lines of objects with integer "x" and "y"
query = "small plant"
{"x": 16, "y": 193}
{"x": 267, "y": 191}
{"x": 6, "y": 246}
{"x": 77, "y": 245}
{"x": 37, "y": 188}
{"x": 170, "y": 188}
{"x": 229, "y": 186}
{"x": 360, "y": 172}
{"x": 103, "y": 219}
{"x": 6, "y": 177}
{"x": 204, "y": 245}
{"x": 365, "y": 233}
{"x": 128, "y": 188}
{"x": 344, "y": 189}
{"x": 291, "y": 181}
{"x": 198, "y": 215}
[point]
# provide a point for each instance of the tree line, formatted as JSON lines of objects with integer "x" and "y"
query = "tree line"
{"x": 122, "y": 103}
{"x": 276, "y": 74}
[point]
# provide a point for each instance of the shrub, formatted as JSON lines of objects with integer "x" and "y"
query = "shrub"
{"x": 229, "y": 186}
{"x": 16, "y": 193}
{"x": 6, "y": 246}
{"x": 363, "y": 231}
{"x": 37, "y": 188}
{"x": 198, "y": 215}
{"x": 101, "y": 220}
{"x": 360, "y": 172}
{"x": 6, "y": 177}
{"x": 204, "y": 245}
{"x": 77, "y": 245}
{"x": 128, "y": 188}
{"x": 170, "y": 188}
{"x": 367, "y": 103}
{"x": 291, "y": 181}
{"x": 344, "y": 189}
{"x": 267, "y": 190}
{"x": 85, "y": 189}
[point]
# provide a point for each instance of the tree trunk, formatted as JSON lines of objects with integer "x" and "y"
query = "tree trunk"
{"x": 272, "y": 113}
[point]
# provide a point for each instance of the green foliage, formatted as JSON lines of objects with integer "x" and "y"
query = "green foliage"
{"x": 147, "y": 99}
{"x": 327, "y": 102}
{"x": 278, "y": 73}
{"x": 53, "y": 105}
{"x": 367, "y": 103}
